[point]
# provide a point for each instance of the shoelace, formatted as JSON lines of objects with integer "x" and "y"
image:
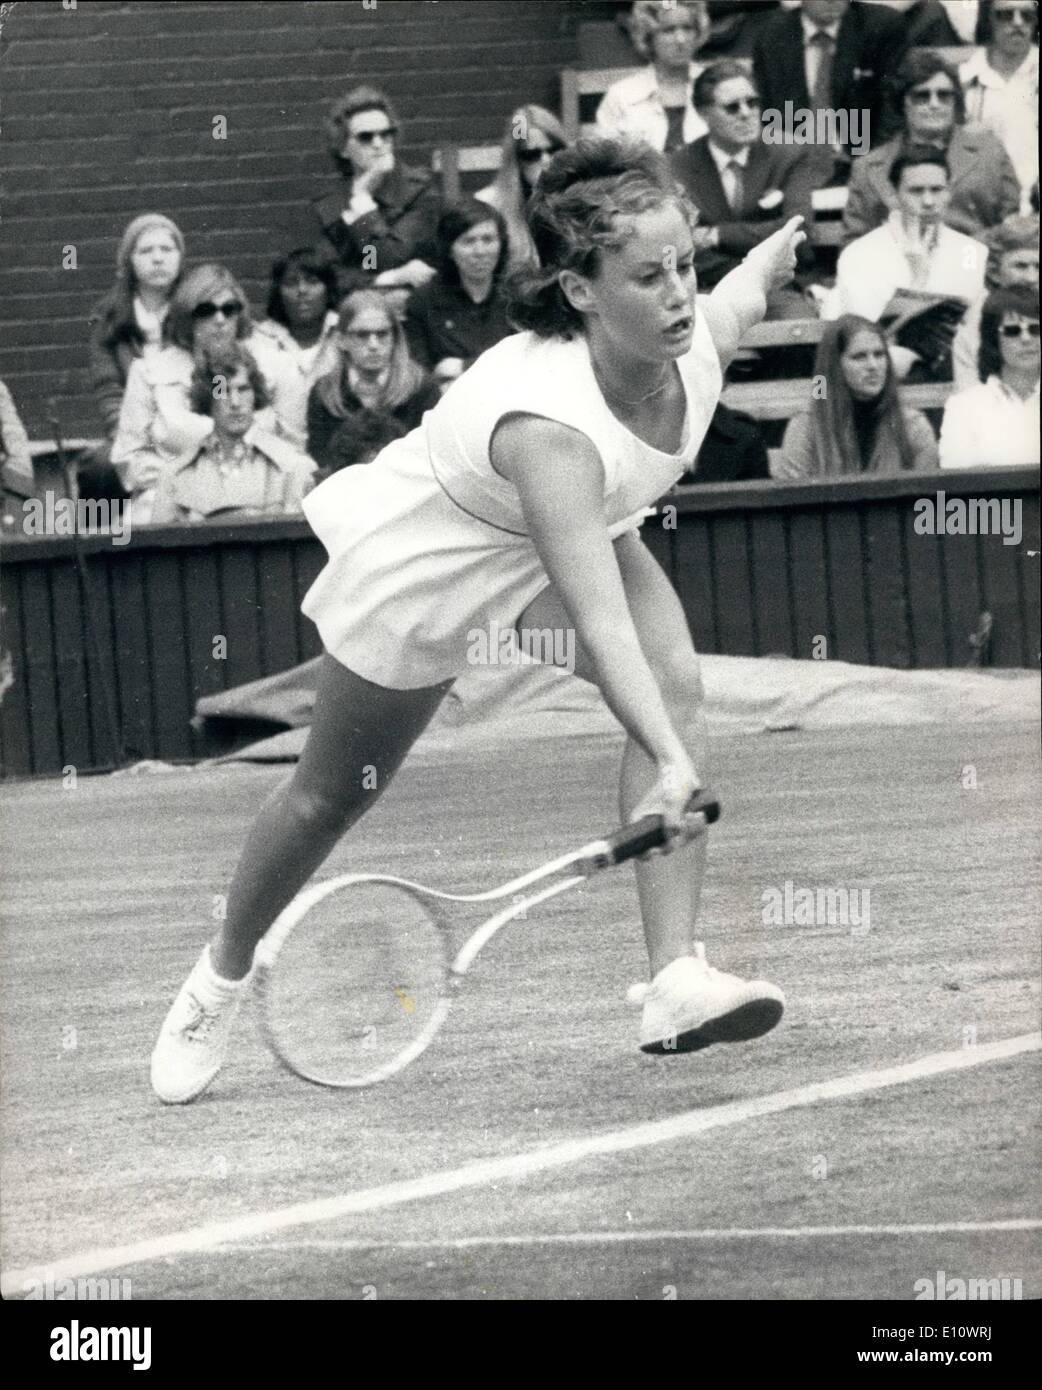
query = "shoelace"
{"x": 638, "y": 993}
{"x": 201, "y": 1024}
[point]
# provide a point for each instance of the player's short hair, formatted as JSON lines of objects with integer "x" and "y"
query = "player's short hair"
{"x": 913, "y": 155}
{"x": 573, "y": 218}
{"x": 1018, "y": 300}
{"x": 715, "y": 75}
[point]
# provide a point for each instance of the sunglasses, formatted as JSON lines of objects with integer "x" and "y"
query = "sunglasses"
{"x": 366, "y": 137}
{"x": 527, "y": 156}
{"x": 230, "y": 309}
{"x": 1025, "y": 12}
{"x": 742, "y": 104}
{"x": 944, "y": 96}
{"x": 1019, "y": 330}
{"x": 362, "y": 335}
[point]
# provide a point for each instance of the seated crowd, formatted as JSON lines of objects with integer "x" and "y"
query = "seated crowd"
{"x": 207, "y": 411}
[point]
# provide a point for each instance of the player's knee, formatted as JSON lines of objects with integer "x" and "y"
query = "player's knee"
{"x": 321, "y": 812}
{"x": 680, "y": 681}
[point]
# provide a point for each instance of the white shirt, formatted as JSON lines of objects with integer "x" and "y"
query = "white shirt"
{"x": 990, "y": 426}
{"x": 1009, "y": 107}
{"x": 291, "y": 371}
{"x": 873, "y": 268}
{"x": 633, "y": 106}
{"x": 812, "y": 53}
{"x": 725, "y": 167}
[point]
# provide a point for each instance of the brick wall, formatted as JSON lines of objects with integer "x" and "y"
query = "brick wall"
{"x": 108, "y": 112}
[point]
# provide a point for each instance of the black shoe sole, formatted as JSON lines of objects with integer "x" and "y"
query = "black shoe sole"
{"x": 748, "y": 1021}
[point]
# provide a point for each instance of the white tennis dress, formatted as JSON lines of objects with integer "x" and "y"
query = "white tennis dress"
{"x": 428, "y": 543}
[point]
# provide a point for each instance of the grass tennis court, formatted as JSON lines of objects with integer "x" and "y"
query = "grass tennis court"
{"x": 661, "y": 1192}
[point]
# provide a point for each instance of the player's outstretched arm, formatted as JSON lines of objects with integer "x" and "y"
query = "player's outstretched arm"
{"x": 740, "y": 299}
{"x": 559, "y": 476}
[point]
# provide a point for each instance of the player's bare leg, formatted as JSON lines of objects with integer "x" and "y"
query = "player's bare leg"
{"x": 688, "y": 1004}
{"x": 359, "y": 737}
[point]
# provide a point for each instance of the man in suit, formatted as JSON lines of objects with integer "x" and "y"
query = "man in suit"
{"x": 744, "y": 188}
{"x": 829, "y": 55}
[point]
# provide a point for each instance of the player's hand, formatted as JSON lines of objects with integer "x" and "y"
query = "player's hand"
{"x": 774, "y": 260}
{"x": 144, "y": 473}
{"x": 675, "y": 784}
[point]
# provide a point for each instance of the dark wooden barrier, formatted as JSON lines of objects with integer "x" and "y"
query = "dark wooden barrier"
{"x": 761, "y": 568}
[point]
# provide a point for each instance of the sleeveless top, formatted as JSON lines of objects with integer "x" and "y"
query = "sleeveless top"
{"x": 553, "y": 378}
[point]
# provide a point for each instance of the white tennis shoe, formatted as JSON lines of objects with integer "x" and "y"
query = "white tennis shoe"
{"x": 194, "y": 1037}
{"x": 690, "y": 1005}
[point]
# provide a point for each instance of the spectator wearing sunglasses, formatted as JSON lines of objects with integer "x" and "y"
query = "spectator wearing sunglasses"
{"x": 1012, "y": 264}
{"x": 381, "y": 221}
{"x": 533, "y": 136}
{"x": 376, "y": 374}
{"x": 239, "y": 470}
{"x": 462, "y": 311}
{"x": 744, "y": 189}
{"x": 1001, "y": 83}
{"x": 928, "y": 105}
{"x": 995, "y": 424}
{"x": 655, "y": 104}
{"x": 208, "y": 313}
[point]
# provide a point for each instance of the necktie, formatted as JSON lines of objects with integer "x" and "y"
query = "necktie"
{"x": 823, "y": 47}
{"x": 735, "y": 184}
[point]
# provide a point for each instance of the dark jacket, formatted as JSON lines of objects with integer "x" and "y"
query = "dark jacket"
{"x": 732, "y": 450}
{"x": 443, "y": 321}
{"x": 792, "y": 170}
{"x": 323, "y": 425}
{"x": 869, "y": 45}
{"x": 109, "y": 361}
{"x": 982, "y": 181}
{"x": 927, "y": 26}
{"x": 401, "y": 228}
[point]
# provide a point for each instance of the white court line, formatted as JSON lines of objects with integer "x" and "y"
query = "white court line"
{"x": 513, "y": 1167}
{"x": 638, "y": 1236}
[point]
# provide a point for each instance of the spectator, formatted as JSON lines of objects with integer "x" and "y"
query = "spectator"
{"x": 533, "y": 136}
{"x": 913, "y": 249}
{"x": 358, "y": 439}
{"x": 734, "y": 25}
{"x": 16, "y": 462}
{"x": 733, "y": 450}
{"x": 655, "y": 103}
{"x": 744, "y": 189}
{"x": 376, "y": 374}
{"x": 381, "y": 221}
{"x": 208, "y": 312}
{"x": 129, "y": 322}
{"x": 856, "y": 424}
{"x": 926, "y": 23}
{"x": 462, "y": 311}
{"x": 1012, "y": 263}
{"x": 238, "y": 470}
{"x": 1001, "y": 82}
{"x": 301, "y": 326}
{"x": 830, "y": 55}
{"x": 929, "y": 107}
{"x": 995, "y": 424}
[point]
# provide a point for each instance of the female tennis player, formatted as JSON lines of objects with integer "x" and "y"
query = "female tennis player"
{"x": 517, "y": 501}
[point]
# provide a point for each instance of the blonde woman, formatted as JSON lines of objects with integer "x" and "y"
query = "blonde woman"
{"x": 376, "y": 374}
{"x": 655, "y": 104}
{"x": 157, "y": 426}
{"x": 532, "y": 138}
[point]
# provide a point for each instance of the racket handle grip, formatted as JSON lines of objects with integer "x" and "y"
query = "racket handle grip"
{"x": 650, "y": 832}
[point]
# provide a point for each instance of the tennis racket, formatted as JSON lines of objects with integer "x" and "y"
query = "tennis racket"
{"x": 357, "y": 974}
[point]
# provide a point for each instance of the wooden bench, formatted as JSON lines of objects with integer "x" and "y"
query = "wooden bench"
{"x": 780, "y": 400}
